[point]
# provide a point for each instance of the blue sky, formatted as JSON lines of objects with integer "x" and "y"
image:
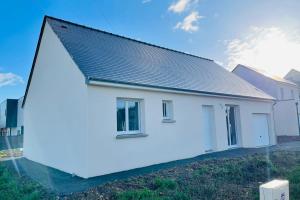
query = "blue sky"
{"x": 259, "y": 33}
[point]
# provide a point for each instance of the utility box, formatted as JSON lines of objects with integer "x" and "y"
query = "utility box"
{"x": 274, "y": 190}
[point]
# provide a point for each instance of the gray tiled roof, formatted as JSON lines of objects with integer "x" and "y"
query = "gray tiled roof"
{"x": 108, "y": 57}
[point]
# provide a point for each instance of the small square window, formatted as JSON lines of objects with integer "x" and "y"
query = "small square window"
{"x": 167, "y": 110}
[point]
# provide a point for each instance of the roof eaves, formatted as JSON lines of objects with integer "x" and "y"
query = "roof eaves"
{"x": 283, "y": 82}
{"x": 89, "y": 79}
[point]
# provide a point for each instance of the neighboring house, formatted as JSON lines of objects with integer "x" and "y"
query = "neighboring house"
{"x": 10, "y": 112}
{"x": 285, "y": 92}
{"x": 98, "y": 103}
{"x": 294, "y": 76}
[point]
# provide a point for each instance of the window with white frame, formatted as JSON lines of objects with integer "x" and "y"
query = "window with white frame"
{"x": 128, "y": 116}
{"x": 167, "y": 110}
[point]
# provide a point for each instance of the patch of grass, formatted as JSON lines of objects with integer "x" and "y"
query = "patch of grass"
{"x": 294, "y": 178}
{"x": 13, "y": 187}
{"x": 202, "y": 171}
{"x": 238, "y": 171}
{"x": 142, "y": 194}
{"x": 165, "y": 184}
{"x": 163, "y": 189}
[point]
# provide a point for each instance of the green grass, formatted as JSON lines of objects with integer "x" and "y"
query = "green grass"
{"x": 164, "y": 184}
{"x": 294, "y": 178}
{"x": 13, "y": 187}
{"x": 163, "y": 189}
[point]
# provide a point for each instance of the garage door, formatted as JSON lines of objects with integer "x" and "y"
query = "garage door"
{"x": 261, "y": 129}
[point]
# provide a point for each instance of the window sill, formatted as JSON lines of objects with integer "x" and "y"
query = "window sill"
{"x": 125, "y": 136}
{"x": 168, "y": 121}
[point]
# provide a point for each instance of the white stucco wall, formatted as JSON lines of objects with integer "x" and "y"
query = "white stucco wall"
{"x": 165, "y": 141}
{"x": 287, "y": 94}
{"x": 285, "y": 117}
{"x": 55, "y": 110}
{"x": 285, "y": 110}
{"x": 20, "y": 118}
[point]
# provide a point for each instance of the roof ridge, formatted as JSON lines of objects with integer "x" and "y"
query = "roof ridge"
{"x": 262, "y": 72}
{"x": 124, "y": 37}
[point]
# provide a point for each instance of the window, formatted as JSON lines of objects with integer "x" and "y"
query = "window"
{"x": 292, "y": 94}
{"x": 128, "y": 116}
{"x": 281, "y": 94}
{"x": 167, "y": 110}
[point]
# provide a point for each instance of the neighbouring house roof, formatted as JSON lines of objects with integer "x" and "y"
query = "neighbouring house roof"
{"x": 294, "y": 76}
{"x": 266, "y": 74}
{"x": 103, "y": 56}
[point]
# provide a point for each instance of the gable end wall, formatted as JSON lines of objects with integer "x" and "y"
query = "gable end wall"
{"x": 55, "y": 110}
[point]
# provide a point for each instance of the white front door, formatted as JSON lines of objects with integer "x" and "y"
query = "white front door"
{"x": 208, "y": 127}
{"x": 260, "y": 129}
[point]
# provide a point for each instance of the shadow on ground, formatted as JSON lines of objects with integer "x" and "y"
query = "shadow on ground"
{"x": 11, "y": 142}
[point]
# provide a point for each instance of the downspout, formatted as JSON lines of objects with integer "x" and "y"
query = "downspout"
{"x": 273, "y": 113}
{"x": 298, "y": 116}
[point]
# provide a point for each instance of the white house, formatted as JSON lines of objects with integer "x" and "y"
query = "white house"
{"x": 98, "y": 103}
{"x": 293, "y": 76}
{"x": 285, "y": 92}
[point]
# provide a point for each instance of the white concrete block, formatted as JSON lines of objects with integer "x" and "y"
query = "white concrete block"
{"x": 274, "y": 190}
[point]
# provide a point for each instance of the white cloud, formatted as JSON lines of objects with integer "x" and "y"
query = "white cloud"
{"x": 9, "y": 79}
{"x": 146, "y": 1}
{"x": 179, "y": 6}
{"x": 189, "y": 23}
{"x": 269, "y": 49}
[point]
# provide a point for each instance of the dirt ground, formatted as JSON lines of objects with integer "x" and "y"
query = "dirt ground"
{"x": 230, "y": 178}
